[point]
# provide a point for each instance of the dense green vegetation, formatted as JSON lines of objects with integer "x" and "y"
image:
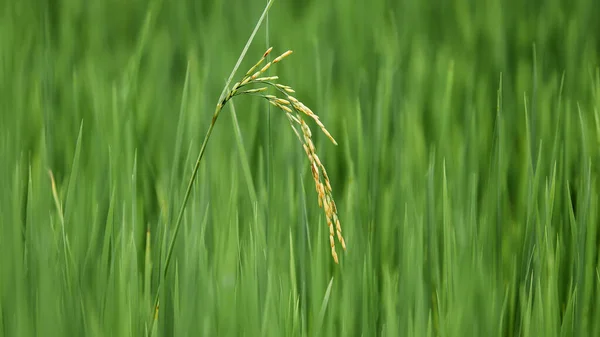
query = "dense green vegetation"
{"x": 466, "y": 174}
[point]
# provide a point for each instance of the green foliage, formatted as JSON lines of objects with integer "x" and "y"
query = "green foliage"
{"x": 466, "y": 175}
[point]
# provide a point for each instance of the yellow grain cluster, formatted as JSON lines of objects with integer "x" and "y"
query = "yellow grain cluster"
{"x": 294, "y": 110}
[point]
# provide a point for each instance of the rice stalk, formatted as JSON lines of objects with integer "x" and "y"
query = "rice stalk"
{"x": 290, "y": 105}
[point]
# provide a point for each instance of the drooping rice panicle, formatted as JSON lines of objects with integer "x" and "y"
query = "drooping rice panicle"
{"x": 290, "y": 105}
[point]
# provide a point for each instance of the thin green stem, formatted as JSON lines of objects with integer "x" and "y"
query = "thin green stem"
{"x": 189, "y": 187}
{"x": 226, "y": 95}
{"x": 186, "y": 197}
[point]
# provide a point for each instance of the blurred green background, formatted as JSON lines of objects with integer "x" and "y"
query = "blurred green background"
{"x": 466, "y": 175}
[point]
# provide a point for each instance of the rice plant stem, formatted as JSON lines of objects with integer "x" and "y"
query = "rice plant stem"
{"x": 189, "y": 188}
{"x": 222, "y": 101}
{"x": 186, "y": 197}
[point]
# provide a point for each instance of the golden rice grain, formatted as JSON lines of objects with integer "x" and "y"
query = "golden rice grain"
{"x": 282, "y": 56}
{"x": 267, "y": 78}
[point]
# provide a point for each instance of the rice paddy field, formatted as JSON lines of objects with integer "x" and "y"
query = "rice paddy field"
{"x": 465, "y": 176}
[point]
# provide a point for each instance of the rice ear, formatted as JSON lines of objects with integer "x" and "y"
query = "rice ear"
{"x": 290, "y": 105}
